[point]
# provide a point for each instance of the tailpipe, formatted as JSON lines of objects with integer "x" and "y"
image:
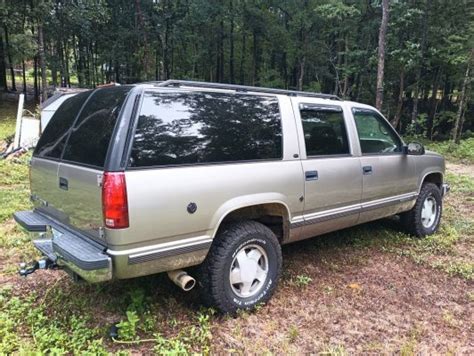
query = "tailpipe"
{"x": 182, "y": 279}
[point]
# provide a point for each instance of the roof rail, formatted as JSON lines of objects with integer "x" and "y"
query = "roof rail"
{"x": 242, "y": 88}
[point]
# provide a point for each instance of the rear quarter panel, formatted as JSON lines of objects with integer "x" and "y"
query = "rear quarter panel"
{"x": 158, "y": 197}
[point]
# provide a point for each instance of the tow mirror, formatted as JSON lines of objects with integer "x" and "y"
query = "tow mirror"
{"x": 415, "y": 149}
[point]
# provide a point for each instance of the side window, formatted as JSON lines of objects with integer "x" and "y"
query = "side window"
{"x": 375, "y": 133}
{"x": 92, "y": 132}
{"x": 324, "y": 131}
{"x": 187, "y": 128}
{"x": 53, "y": 139}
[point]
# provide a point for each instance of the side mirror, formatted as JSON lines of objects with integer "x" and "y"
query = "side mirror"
{"x": 415, "y": 149}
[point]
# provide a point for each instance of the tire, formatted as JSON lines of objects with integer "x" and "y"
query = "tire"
{"x": 418, "y": 224}
{"x": 241, "y": 241}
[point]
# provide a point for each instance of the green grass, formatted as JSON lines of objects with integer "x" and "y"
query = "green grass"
{"x": 75, "y": 318}
{"x": 7, "y": 119}
{"x": 463, "y": 152}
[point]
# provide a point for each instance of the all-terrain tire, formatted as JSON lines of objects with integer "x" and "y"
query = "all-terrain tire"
{"x": 214, "y": 275}
{"x": 412, "y": 219}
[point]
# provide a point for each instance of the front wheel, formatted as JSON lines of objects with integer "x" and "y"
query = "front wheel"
{"x": 242, "y": 268}
{"x": 424, "y": 218}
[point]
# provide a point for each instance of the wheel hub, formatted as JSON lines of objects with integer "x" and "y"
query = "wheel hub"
{"x": 429, "y": 212}
{"x": 248, "y": 271}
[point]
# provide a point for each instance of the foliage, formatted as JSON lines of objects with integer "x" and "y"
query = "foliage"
{"x": 302, "y": 280}
{"x": 328, "y": 46}
{"x": 463, "y": 152}
{"x": 48, "y": 335}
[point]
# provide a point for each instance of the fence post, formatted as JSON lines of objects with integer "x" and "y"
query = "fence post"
{"x": 19, "y": 114}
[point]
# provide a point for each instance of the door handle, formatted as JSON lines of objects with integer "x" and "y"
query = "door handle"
{"x": 63, "y": 183}
{"x": 311, "y": 175}
{"x": 367, "y": 170}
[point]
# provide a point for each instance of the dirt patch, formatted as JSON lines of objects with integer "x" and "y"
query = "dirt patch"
{"x": 383, "y": 305}
{"x": 466, "y": 169}
{"x": 359, "y": 301}
{"x": 363, "y": 295}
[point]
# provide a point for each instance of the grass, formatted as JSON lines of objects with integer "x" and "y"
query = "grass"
{"x": 7, "y": 119}
{"x": 76, "y": 319}
{"x": 464, "y": 152}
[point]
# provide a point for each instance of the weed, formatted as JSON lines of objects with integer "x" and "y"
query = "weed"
{"x": 470, "y": 296}
{"x": 48, "y": 335}
{"x": 127, "y": 329}
{"x": 302, "y": 280}
{"x": 334, "y": 350}
{"x": 293, "y": 333}
{"x": 462, "y": 152}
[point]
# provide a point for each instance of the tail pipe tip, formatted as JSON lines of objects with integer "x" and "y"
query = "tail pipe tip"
{"x": 182, "y": 279}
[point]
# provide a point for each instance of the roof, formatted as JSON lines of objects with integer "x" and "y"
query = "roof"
{"x": 59, "y": 93}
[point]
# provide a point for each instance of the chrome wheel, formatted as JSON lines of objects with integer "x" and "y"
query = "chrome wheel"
{"x": 248, "y": 271}
{"x": 429, "y": 212}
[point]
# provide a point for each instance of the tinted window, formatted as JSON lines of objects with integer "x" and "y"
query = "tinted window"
{"x": 324, "y": 131}
{"x": 51, "y": 142}
{"x": 90, "y": 137}
{"x": 375, "y": 133}
{"x": 186, "y": 128}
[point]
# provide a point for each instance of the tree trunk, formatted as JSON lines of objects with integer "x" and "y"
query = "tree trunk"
{"x": 54, "y": 67}
{"x": 23, "y": 70}
{"x": 242, "y": 59}
{"x": 255, "y": 60}
{"x": 416, "y": 93}
{"x": 164, "y": 46}
{"x": 345, "y": 87}
{"x": 141, "y": 23}
{"x": 221, "y": 52}
{"x": 3, "y": 68}
{"x": 35, "y": 75}
{"x": 381, "y": 54}
{"x": 398, "y": 113}
{"x": 66, "y": 65}
{"x": 9, "y": 56}
{"x": 231, "y": 35}
{"x": 301, "y": 76}
{"x": 462, "y": 100}
{"x": 42, "y": 63}
{"x": 433, "y": 103}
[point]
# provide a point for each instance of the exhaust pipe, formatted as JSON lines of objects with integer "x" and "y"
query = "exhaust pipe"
{"x": 182, "y": 279}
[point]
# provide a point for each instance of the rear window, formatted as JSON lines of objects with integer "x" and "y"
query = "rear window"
{"x": 51, "y": 142}
{"x": 90, "y": 137}
{"x": 192, "y": 128}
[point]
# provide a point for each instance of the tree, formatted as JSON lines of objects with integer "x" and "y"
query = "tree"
{"x": 381, "y": 54}
{"x": 410, "y": 62}
{"x": 462, "y": 100}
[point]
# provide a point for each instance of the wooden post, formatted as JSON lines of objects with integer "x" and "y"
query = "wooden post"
{"x": 19, "y": 114}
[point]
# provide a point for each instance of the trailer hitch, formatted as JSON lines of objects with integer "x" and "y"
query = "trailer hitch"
{"x": 44, "y": 263}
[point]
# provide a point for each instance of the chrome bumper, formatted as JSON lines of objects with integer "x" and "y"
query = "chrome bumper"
{"x": 445, "y": 189}
{"x": 74, "y": 252}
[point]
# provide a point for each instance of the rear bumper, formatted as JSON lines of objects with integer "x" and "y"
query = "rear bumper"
{"x": 73, "y": 251}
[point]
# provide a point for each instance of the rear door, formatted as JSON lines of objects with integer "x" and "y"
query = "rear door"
{"x": 76, "y": 190}
{"x": 333, "y": 179}
{"x": 44, "y": 165}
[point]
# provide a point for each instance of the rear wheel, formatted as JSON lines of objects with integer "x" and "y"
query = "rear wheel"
{"x": 242, "y": 268}
{"x": 424, "y": 218}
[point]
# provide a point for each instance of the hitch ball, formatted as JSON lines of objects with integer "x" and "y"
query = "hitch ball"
{"x": 41, "y": 264}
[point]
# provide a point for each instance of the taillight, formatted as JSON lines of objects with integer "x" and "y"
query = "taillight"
{"x": 114, "y": 200}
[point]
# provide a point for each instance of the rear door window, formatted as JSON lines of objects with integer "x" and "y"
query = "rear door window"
{"x": 192, "y": 128}
{"x": 53, "y": 139}
{"x": 90, "y": 137}
{"x": 324, "y": 130}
